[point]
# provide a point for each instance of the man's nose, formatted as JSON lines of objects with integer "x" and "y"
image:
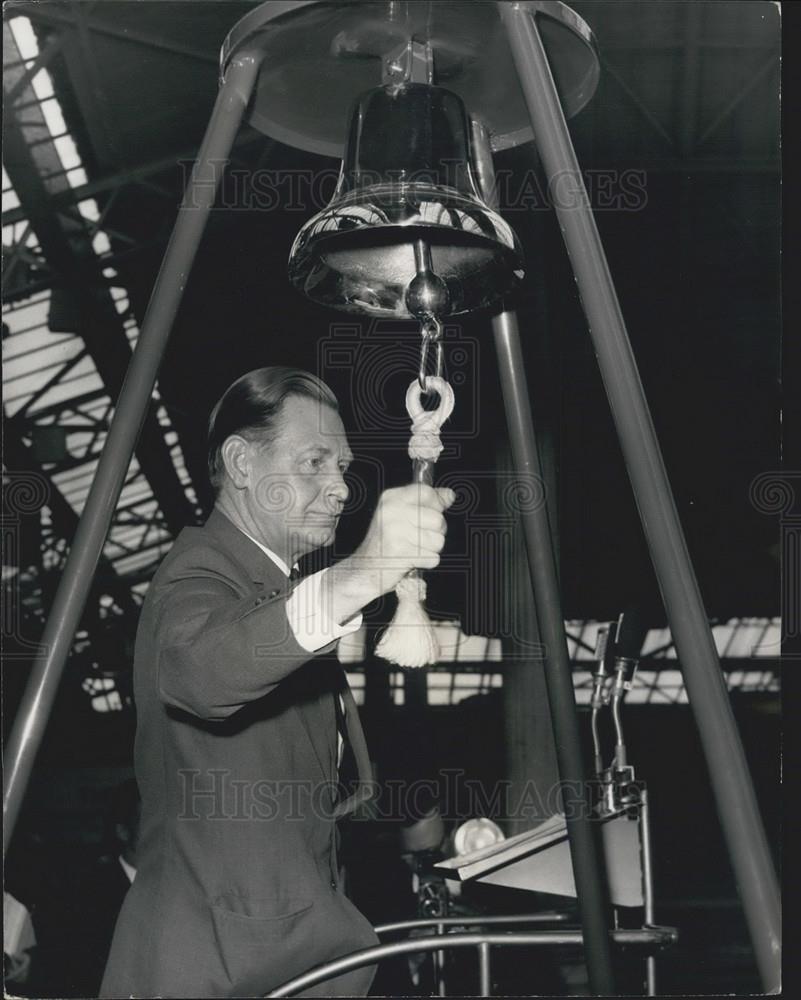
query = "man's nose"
{"x": 338, "y": 491}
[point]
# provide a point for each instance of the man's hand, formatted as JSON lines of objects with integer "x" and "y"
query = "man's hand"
{"x": 407, "y": 532}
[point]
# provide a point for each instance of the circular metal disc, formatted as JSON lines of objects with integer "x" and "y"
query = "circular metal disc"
{"x": 319, "y": 56}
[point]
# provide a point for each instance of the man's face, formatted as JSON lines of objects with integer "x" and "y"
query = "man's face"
{"x": 297, "y": 487}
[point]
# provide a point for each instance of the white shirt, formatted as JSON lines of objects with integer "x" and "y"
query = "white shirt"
{"x": 309, "y": 620}
{"x": 129, "y": 870}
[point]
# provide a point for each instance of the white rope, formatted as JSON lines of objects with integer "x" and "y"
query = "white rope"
{"x": 426, "y": 424}
{"x": 410, "y": 639}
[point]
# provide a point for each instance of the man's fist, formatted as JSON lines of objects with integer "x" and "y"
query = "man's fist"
{"x": 407, "y": 532}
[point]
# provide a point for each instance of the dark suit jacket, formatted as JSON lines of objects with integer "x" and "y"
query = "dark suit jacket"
{"x": 236, "y": 887}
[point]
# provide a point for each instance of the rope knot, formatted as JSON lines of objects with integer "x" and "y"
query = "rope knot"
{"x": 425, "y": 441}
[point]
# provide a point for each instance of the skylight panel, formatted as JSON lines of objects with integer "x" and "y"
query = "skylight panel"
{"x": 34, "y": 355}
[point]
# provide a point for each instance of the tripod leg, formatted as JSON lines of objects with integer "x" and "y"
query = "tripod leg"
{"x": 584, "y": 850}
{"x": 37, "y": 701}
{"x": 706, "y": 689}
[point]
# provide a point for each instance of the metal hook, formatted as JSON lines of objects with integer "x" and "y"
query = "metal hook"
{"x": 431, "y": 330}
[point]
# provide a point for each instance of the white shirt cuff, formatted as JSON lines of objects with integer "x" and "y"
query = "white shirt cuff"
{"x": 310, "y": 620}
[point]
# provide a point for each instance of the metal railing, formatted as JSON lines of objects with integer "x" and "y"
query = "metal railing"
{"x": 442, "y": 922}
{"x": 649, "y": 938}
{"x": 482, "y": 920}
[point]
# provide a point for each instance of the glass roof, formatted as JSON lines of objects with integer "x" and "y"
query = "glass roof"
{"x": 49, "y": 378}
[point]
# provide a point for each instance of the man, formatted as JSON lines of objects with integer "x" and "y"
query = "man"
{"x": 237, "y": 743}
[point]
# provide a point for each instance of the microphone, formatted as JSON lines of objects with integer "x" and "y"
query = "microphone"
{"x": 632, "y": 629}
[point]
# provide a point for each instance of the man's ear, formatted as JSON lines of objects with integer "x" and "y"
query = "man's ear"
{"x": 235, "y": 457}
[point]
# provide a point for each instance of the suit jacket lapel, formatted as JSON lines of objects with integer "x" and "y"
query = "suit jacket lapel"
{"x": 257, "y": 565}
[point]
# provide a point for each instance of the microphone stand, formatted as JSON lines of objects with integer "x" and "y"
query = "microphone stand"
{"x": 619, "y": 789}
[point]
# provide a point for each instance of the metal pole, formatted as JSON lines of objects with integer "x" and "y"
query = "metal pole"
{"x": 484, "y": 970}
{"x": 584, "y": 851}
{"x": 37, "y": 702}
{"x": 439, "y": 965}
{"x": 647, "y": 886}
{"x": 731, "y": 781}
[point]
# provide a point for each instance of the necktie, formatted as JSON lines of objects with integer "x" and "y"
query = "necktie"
{"x": 348, "y": 771}
{"x": 294, "y": 574}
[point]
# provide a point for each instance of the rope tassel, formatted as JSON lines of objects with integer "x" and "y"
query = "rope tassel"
{"x": 410, "y": 639}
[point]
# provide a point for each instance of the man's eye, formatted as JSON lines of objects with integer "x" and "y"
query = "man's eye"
{"x": 314, "y": 463}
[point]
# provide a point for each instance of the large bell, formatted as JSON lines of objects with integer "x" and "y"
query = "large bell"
{"x": 408, "y": 205}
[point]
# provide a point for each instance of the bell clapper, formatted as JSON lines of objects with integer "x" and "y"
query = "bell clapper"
{"x": 427, "y": 296}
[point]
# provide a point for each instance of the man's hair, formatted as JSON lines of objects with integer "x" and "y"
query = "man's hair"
{"x": 251, "y": 407}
